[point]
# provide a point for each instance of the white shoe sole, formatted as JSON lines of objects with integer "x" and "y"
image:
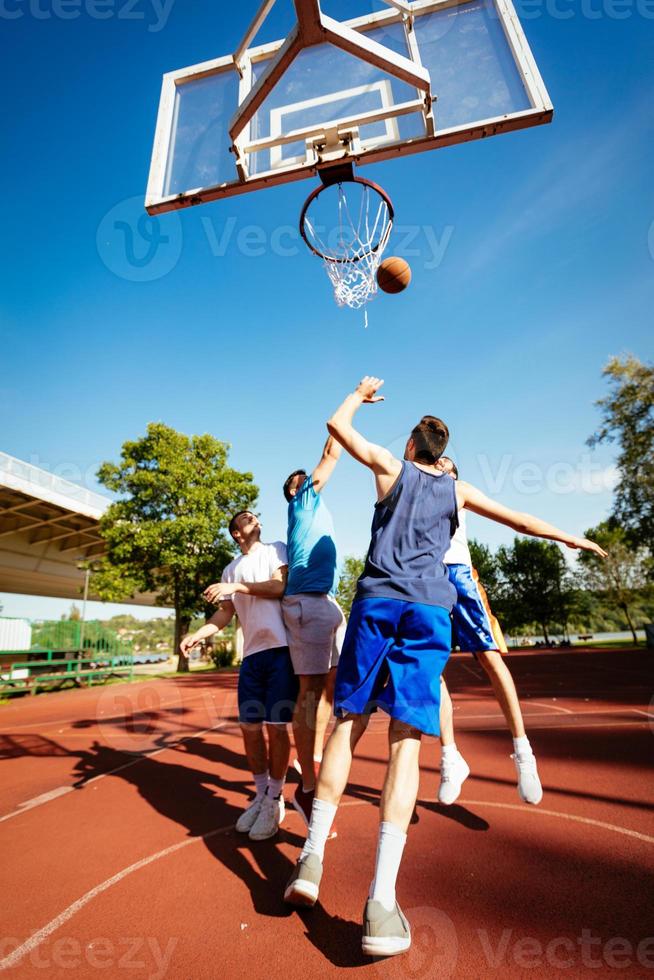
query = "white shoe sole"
{"x": 450, "y": 802}
{"x": 384, "y": 945}
{"x": 526, "y": 799}
{"x": 302, "y": 893}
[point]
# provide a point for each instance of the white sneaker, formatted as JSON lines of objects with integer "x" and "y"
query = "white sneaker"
{"x": 454, "y": 772}
{"x": 270, "y": 816}
{"x": 529, "y": 787}
{"x": 248, "y": 818}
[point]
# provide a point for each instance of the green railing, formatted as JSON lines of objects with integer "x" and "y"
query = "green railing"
{"x": 68, "y": 635}
{"x": 30, "y": 675}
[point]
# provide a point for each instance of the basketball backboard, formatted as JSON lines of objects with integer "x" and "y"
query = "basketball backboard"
{"x": 411, "y": 77}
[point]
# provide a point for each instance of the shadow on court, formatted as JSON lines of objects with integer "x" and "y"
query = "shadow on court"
{"x": 197, "y": 801}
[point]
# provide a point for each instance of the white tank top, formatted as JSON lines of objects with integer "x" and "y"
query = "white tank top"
{"x": 459, "y": 553}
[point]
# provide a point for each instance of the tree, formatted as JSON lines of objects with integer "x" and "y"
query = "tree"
{"x": 536, "y": 585}
{"x": 622, "y": 575}
{"x": 347, "y": 586}
{"x": 167, "y": 532}
{"x": 485, "y": 562}
{"x": 628, "y": 419}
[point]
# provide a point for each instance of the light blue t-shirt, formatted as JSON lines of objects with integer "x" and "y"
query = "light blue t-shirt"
{"x": 311, "y": 548}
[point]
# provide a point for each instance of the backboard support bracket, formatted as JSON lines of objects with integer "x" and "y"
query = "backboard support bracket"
{"x": 314, "y": 27}
{"x": 336, "y": 174}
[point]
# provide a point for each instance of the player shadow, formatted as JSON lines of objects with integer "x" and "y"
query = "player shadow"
{"x": 576, "y": 747}
{"x": 338, "y": 939}
{"x": 456, "y": 812}
{"x": 196, "y": 800}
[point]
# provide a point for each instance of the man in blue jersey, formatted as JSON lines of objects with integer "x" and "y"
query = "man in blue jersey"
{"x": 397, "y": 643}
{"x": 315, "y": 625}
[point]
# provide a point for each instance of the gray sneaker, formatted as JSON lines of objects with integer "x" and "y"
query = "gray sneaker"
{"x": 248, "y": 818}
{"x": 304, "y": 883}
{"x": 384, "y": 933}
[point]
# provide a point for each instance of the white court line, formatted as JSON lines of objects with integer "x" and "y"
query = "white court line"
{"x": 141, "y": 686}
{"x": 38, "y": 937}
{"x": 539, "y": 714}
{"x": 647, "y": 714}
{"x": 54, "y": 794}
{"x": 62, "y": 790}
{"x": 596, "y": 724}
{"x": 552, "y": 707}
{"x": 564, "y": 816}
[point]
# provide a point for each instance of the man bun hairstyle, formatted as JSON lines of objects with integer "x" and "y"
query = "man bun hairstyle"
{"x": 289, "y": 480}
{"x": 430, "y": 438}
{"x": 233, "y": 524}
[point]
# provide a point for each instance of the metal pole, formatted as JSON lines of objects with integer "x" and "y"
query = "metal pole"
{"x": 87, "y": 576}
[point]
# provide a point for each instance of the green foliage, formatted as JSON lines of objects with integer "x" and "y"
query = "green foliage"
{"x": 536, "y": 587}
{"x": 622, "y": 575}
{"x": 146, "y": 635}
{"x": 347, "y": 586}
{"x": 487, "y": 567}
{"x": 628, "y": 419}
{"x": 166, "y": 534}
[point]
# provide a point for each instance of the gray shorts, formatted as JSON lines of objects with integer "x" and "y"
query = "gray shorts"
{"x": 315, "y": 627}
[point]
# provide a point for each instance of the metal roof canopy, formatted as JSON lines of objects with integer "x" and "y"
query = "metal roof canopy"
{"x": 47, "y": 526}
{"x": 224, "y": 126}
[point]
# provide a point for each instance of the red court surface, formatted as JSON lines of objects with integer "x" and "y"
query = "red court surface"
{"x": 119, "y": 856}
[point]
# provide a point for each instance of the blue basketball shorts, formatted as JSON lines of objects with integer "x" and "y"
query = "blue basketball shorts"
{"x": 267, "y": 688}
{"x": 392, "y": 658}
{"x": 474, "y": 628}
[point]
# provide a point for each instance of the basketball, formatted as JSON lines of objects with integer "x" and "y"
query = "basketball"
{"x": 393, "y": 275}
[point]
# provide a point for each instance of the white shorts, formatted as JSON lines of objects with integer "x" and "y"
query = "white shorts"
{"x": 315, "y": 627}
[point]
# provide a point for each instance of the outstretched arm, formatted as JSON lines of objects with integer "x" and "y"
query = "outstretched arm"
{"x": 476, "y": 501}
{"x": 217, "y": 622}
{"x": 383, "y": 464}
{"x": 274, "y": 588}
{"x": 330, "y": 457}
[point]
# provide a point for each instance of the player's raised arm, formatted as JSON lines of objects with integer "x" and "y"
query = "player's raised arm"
{"x": 473, "y": 499}
{"x": 383, "y": 464}
{"x": 330, "y": 457}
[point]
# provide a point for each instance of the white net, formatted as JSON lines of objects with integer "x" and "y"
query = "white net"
{"x": 353, "y": 248}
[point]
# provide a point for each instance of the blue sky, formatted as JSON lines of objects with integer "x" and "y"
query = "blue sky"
{"x": 545, "y": 271}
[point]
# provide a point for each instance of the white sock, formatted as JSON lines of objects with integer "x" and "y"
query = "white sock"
{"x": 521, "y": 746}
{"x": 322, "y": 818}
{"x": 449, "y": 751}
{"x": 390, "y": 847}
{"x": 261, "y": 783}
{"x": 275, "y": 787}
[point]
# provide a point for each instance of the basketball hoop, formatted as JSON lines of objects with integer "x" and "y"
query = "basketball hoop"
{"x": 352, "y": 248}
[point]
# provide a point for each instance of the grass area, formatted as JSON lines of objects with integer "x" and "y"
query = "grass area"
{"x": 591, "y": 645}
{"x": 610, "y": 644}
